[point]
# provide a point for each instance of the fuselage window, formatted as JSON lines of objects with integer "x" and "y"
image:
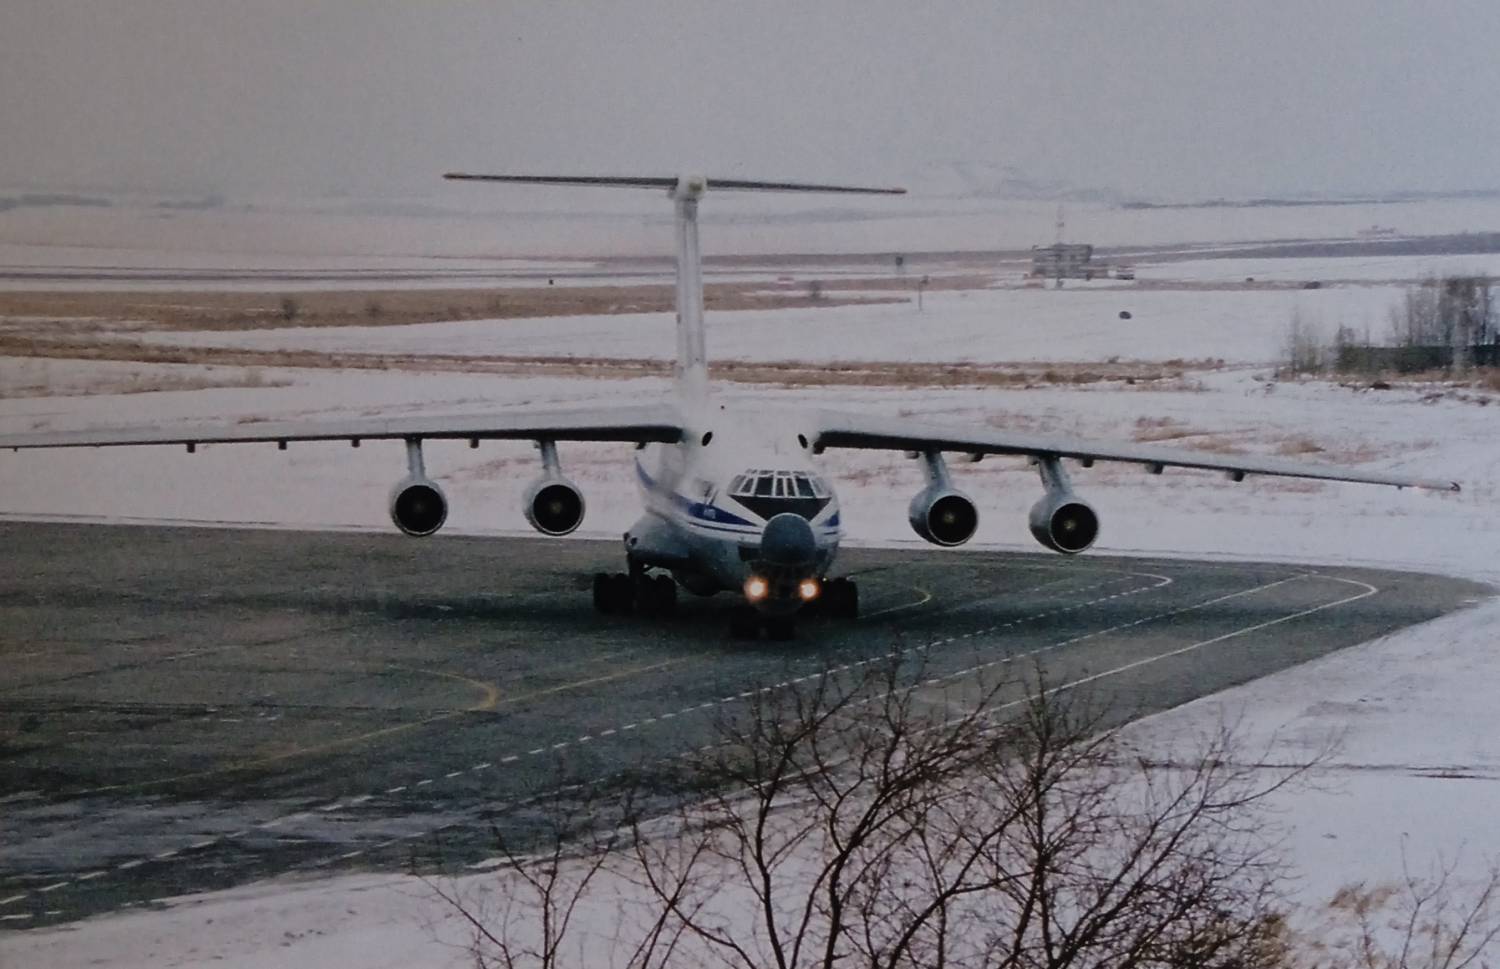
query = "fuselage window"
{"x": 804, "y": 486}
{"x": 763, "y": 485}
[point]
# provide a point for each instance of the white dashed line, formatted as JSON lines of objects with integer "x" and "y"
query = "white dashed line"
{"x": 89, "y": 876}
{"x": 13, "y": 899}
{"x": 51, "y": 888}
{"x": 611, "y": 731}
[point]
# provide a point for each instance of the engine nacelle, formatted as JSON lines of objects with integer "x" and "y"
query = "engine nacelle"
{"x": 418, "y": 506}
{"x": 554, "y": 505}
{"x": 1064, "y": 523}
{"x": 943, "y": 515}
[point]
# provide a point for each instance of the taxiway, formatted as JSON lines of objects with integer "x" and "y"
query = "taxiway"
{"x": 184, "y": 709}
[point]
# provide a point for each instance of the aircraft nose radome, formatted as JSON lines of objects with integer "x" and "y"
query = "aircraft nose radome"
{"x": 788, "y": 540}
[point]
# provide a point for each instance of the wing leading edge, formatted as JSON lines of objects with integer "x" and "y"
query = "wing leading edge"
{"x": 633, "y": 424}
{"x": 841, "y": 430}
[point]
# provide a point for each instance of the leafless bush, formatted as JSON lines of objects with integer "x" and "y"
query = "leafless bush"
{"x": 895, "y": 819}
{"x": 1303, "y": 348}
{"x": 1429, "y": 922}
{"x": 290, "y": 308}
{"x": 1454, "y": 311}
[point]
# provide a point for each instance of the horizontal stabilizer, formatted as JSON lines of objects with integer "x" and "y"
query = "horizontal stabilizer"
{"x": 673, "y": 182}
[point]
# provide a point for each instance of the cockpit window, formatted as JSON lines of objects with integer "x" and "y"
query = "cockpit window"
{"x": 778, "y": 484}
{"x": 767, "y": 492}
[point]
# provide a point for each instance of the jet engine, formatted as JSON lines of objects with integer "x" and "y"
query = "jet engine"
{"x": 1064, "y": 523}
{"x": 418, "y": 506}
{"x": 554, "y": 505}
{"x": 943, "y": 515}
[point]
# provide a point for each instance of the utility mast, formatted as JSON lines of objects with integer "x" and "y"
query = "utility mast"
{"x": 1057, "y": 280}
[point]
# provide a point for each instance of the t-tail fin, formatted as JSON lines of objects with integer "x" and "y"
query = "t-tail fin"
{"x": 691, "y": 371}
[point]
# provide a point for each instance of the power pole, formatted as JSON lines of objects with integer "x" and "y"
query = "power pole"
{"x": 1057, "y": 281}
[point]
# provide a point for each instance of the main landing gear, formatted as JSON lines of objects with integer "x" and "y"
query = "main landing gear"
{"x": 840, "y": 598}
{"x": 621, "y": 594}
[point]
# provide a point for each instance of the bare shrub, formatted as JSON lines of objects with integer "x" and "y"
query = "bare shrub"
{"x": 290, "y": 308}
{"x": 1426, "y": 922}
{"x": 1302, "y": 349}
{"x": 893, "y": 818}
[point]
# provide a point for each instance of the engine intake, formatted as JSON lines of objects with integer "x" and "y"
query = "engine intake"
{"x": 943, "y": 515}
{"x": 554, "y": 505}
{"x": 1064, "y": 523}
{"x": 418, "y": 506}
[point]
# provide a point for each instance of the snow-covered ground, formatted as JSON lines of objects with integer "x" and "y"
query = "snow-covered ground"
{"x": 1420, "y": 738}
{"x": 1376, "y": 270}
{"x": 994, "y": 325}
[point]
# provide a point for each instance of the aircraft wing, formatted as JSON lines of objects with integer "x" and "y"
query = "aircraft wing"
{"x": 636, "y": 424}
{"x": 841, "y": 430}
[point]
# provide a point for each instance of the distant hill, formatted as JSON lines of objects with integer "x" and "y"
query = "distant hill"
{"x": 995, "y": 180}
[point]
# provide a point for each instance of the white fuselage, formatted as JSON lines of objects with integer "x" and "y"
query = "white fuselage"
{"x": 708, "y": 501}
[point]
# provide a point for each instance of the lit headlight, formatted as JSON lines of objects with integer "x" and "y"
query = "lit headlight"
{"x": 757, "y": 588}
{"x": 808, "y": 589}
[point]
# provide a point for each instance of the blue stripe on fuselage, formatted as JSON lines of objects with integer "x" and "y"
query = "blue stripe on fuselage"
{"x": 700, "y": 512}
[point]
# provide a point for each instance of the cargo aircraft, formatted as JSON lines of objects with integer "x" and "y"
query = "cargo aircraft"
{"x": 733, "y": 498}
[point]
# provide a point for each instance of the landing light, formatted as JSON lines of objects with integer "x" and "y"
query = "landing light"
{"x": 808, "y": 589}
{"x": 756, "y": 588}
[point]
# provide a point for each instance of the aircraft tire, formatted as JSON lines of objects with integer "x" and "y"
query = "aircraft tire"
{"x": 621, "y": 594}
{"x": 604, "y": 602}
{"x": 655, "y": 596}
{"x": 842, "y": 598}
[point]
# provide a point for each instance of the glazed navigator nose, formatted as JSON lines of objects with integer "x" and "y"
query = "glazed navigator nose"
{"x": 788, "y": 541}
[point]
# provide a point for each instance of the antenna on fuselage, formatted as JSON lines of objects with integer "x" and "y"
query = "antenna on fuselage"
{"x": 691, "y": 372}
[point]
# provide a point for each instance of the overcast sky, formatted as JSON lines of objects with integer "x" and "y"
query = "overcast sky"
{"x": 1174, "y": 98}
